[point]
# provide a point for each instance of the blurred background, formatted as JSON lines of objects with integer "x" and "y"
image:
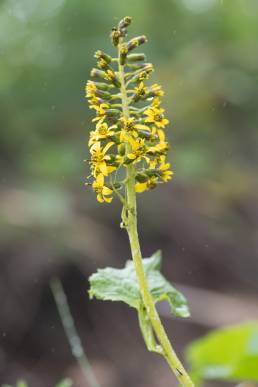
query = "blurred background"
{"x": 205, "y": 221}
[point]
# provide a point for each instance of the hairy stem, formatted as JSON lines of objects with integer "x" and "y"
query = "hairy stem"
{"x": 131, "y": 225}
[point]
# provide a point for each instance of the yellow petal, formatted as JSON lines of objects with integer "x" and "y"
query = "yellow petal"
{"x": 103, "y": 168}
{"x": 131, "y": 156}
{"x": 110, "y": 169}
{"x": 100, "y": 198}
{"x": 161, "y": 135}
{"x": 96, "y": 147}
{"x": 108, "y": 200}
{"x": 140, "y": 187}
{"x": 143, "y": 127}
{"x": 107, "y": 147}
{"x": 107, "y": 191}
{"x": 164, "y": 167}
{"x": 100, "y": 180}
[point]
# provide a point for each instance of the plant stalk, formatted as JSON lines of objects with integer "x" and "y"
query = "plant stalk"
{"x": 71, "y": 332}
{"x": 131, "y": 225}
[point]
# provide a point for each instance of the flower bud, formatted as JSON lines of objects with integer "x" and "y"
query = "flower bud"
{"x": 103, "y": 65}
{"x": 103, "y": 94}
{"x": 117, "y": 185}
{"x": 115, "y": 36}
{"x": 125, "y": 22}
{"x": 141, "y": 177}
{"x": 112, "y": 112}
{"x": 136, "y": 66}
{"x": 145, "y": 134}
{"x": 135, "y": 57}
{"x": 97, "y": 73}
{"x": 111, "y": 76}
{"x": 123, "y": 54}
{"x": 102, "y": 55}
{"x": 103, "y": 86}
{"x": 135, "y": 42}
{"x": 121, "y": 149}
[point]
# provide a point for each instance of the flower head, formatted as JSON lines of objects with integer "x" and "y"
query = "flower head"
{"x": 155, "y": 115}
{"x": 103, "y": 192}
{"x": 100, "y": 160}
{"x": 128, "y": 135}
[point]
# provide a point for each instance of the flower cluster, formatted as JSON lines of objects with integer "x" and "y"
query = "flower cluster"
{"x": 125, "y": 134}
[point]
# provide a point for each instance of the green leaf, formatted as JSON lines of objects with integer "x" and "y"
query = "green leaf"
{"x": 65, "y": 383}
{"x": 121, "y": 285}
{"x": 21, "y": 383}
{"x": 229, "y": 353}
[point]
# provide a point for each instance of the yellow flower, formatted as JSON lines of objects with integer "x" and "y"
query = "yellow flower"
{"x": 99, "y": 159}
{"x": 155, "y": 115}
{"x": 130, "y": 126}
{"x": 100, "y": 111}
{"x": 157, "y": 90}
{"x": 138, "y": 149}
{"x": 95, "y": 101}
{"x": 102, "y": 132}
{"x": 136, "y": 138}
{"x": 156, "y": 103}
{"x": 141, "y": 90}
{"x": 102, "y": 64}
{"x": 161, "y": 147}
{"x": 90, "y": 89}
{"x": 110, "y": 75}
{"x": 149, "y": 184}
{"x": 165, "y": 173}
{"x": 103, "y": 192}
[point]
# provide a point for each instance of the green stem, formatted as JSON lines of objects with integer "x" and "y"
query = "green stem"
{"x": 71, "y": 333}
{"x": 131, "y": 226}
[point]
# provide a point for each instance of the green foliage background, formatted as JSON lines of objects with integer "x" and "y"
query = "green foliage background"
{"x": 205, "y": 54}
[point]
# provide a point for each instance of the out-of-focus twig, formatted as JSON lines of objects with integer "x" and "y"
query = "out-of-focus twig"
{"x": 71, "y": 332}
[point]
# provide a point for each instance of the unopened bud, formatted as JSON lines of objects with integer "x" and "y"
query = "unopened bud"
{"x": 102, "y": 55}
{"x": 103, "y": 86}
{"x": 121, "y": 149}
{"x": 98, "y": 73}
{"x": 135, "y": 42}
{"x": 103, "y": 94}
{"x": 115, "y": 36}
{"x": 135, "y": 57}
{"x": 112, "y": 112}
{"x": 123, "y": 54}
{"x": 125, "y": 22}
{"x": 141, "y": 177}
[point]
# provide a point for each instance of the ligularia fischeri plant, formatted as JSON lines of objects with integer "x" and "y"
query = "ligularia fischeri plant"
{"x": 128, "y": 151}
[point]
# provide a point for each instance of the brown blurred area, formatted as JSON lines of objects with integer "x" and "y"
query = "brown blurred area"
{"x": 205, "y": 220}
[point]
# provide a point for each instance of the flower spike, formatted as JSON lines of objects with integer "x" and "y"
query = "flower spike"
{"x": 118, "y": 141}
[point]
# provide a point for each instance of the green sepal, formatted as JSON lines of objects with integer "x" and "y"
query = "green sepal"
{"x": 141, "y": 177}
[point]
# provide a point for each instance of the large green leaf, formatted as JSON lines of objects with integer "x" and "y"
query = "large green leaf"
{"x": 65, "y": 383}
{"x": 230, "y": 353}
{"x": 122, "y": 285}
{"x": 20, "y": 383}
